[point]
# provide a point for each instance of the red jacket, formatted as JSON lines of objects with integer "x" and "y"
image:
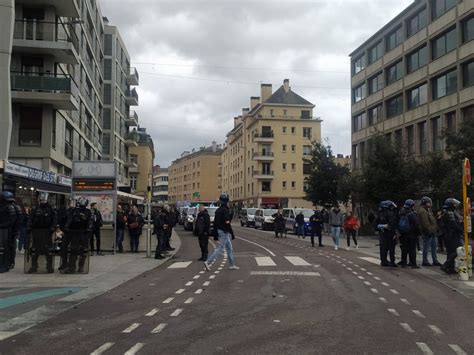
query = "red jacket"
{"x": 351, "y": 223}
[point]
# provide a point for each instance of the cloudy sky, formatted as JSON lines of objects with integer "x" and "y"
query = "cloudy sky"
{"x": 200, "y": 60}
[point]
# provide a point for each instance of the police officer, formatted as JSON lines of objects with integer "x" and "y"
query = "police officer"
{"x": 453, "y": 231}
{"x": 77, "y": 230}
{"x": 15, "y": 231}
{"x": 8, "y": 219}
{"x": 159, "y": 222}
{"x": 387, "y": 223}
{"x": 203, "y": 230}
{"x": 316, "y": 222}
{"x": 42, "y": 223}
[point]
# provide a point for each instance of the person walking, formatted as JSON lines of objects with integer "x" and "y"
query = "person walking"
{"x": 316, "y": 222}
{"x": 223, "y": 228}
{"x": 120, "y": 224}
{"x": 387, "y": 224}
{"x": 299, "y": 224}
{"x": 279, "y": 223}
{"x": 203, "y": 227}
{"x": 135, "y": 225}
{"x": 335, "y": 221}
{"x": 408, "y": 226}
{"x": 453, "y": 232}
{"x": 428, "y": 227}
{"x": 351, "y": 226}
{"x": 97, "y": 223}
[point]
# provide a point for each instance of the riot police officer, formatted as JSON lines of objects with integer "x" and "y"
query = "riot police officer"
{"x": 77, "y": 231}
{"x": 41, "y": 224}
{"x": 8, "y": 220}
{"x": 452, "y": 230}
{"x": 387, "y": 224}
{"x": 15, "y": 230}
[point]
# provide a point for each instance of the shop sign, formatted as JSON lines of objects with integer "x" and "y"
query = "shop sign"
{"x": 30, "y": 173}
{"x": 93, "y": 169}
{"x": 64, "y": 180}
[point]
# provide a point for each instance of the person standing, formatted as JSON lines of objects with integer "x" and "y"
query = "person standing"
{"x": 439, "y": 230}
{"x": 158, "y": 229}
{"x": 279, "y": 223}
{"x": 97, "y": 223}
{"x": 408, "y": 227}
{"x": 299, "y": 223}
{"x": 316, "y": 222}
{"x": 453, "y": 232}
{"x": 428, "y": 227}
{"x": 325, "y": 216}
{"x": 23, "y": 241}
{"x": 7, "y": 221}
{"x": 120, "y": 224}
{"x": 135, "y": 225}
{"x": 15, "y": 231}
{"x": 223, "y": 228}
{"x": 351, "y": 226}
{"x": 203, "y": 227}
{"x": 335, "y": 221}
{"x": 387, "y": 224}
{"x": 168, "y": 231}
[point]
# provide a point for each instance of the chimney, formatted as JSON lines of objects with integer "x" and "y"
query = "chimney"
{"x": 265, "y": 91}
{"x": 214, "y": 146}
{"x": 286, "y": 85}
{"x": 254, "y": 101}
{"x": 245, "y": 110}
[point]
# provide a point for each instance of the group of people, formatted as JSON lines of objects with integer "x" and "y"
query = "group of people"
{"x": 164, "y": 219}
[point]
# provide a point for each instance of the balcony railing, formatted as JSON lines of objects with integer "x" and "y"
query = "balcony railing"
{"x": 264, "y": 173}
{"x": 133, "y": 77}
{"x": 45, "y": 82}
{"x": 131, "y": 97}
{"x": 264, "y": 135}
{"x": 263, "y": 154}
{"x": 46, "y": 31}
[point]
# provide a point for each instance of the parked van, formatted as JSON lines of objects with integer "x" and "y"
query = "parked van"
{"x": 189, "y": 217}
{"x": 247, "y": 217}
{"x": 290, "y": 216}
{"x": 264, "y": 219}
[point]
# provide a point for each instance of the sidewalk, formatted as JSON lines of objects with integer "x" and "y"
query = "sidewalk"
{"x": 52, "y": 294}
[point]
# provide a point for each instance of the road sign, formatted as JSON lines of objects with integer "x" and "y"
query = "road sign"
{"x": 467, "y": 171}
{"x": 196, "y": 194}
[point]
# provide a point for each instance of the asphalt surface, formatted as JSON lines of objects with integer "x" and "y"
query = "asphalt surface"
{"x": 286, "y": 298}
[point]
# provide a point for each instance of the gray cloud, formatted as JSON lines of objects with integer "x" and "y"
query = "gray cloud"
{"x": 248, "y": 42}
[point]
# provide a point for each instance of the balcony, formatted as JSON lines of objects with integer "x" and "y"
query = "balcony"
{"x": 263, "y": 175}
{"x": 132, "y": 119}
{"x": 264, "y": 137}
{"x": 131, "y": 139}
{"x": 65, "y": 8}
{"x": 43, "y": 38}
{"x": 56, "y": 90}
{"x": 131, "y": 97}
{"x": 132, "y": 77}
{"x": 263, "y": 156}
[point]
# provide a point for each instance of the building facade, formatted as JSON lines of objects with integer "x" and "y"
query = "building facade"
{"x": 142, "y": 157}
{"x": 414, "y": 79}
{"x": 196, "y": 176}
{"x": 160, "y": 184}
{"x": 263, "y": 158}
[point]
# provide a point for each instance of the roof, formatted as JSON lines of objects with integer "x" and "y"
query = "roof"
{"x": 287, "y": 98}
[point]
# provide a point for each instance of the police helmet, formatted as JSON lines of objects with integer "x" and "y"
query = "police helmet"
{"x": 425, "y": 200}
{"x": 387, "y": 204}
{"x": 7, "y": 196}
{"x": 452, "y": 203}
{"x": 82, "y": 202}
{"x": 409, "y": 203}
{"x": 43, "y": 197}
{"x": 224, "y": 198}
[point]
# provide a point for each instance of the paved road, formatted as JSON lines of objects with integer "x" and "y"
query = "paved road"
{"x": 286, "y": 298}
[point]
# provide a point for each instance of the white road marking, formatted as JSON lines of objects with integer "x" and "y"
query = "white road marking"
{"x": 216, "y": 272}
{"x": 198, "y": 291}
{"x": 374, "y": 290}
{"x": 457, "y": 349}
{"x": 189, "y": 283}
{"x": 350, "y": 269}
{"x": 355, "y": 272}
{"x": 286, "y": 273}
{"x": 369, "y": 273}
{"x": 177, "y": 312}
{"x": 196, "y": 277}
{"x": 180, "y": 265}
{"x": 202, "y": 272}
{"x": 370, "y": 259}
{"x": 276, "y": 321}
{"x": 435, "y": 329}
{"x": 363, "y": 269}
{"x": 264, "y": 261}
{"x": 180, "y": 291}
{"x": 418, "y": 313}
{"x": 131, "y": 328}
{"x": 385, "y": 284}
{"x": 361, "y": 277}
{"x": 377, "y": 278}
{"x": 189, "y": 300}
{"x": 102, "y": 348}
{"x": 407, "y": 327}
{"x": 383, "y": 300}
{"x": 425, "y": 349}
{"x": 134, "y": 349}
{"x": 159, "y": 328}
{"x": 395, "y": 292}
{"x": 152, "y": 312}
{"x": 168, "y": 300}
{"x": 220, "y": 268}
{"x": 261, "y": 246}
{"x": 367, "y": 283}
{"x": 350, "y": 262}
{"x": 297, "y": 261}
{"x": 404, "y": 300}
{"x": 212, "y": 277}
{"x": 393, "y": 311}
{"x": 207, "y": 283}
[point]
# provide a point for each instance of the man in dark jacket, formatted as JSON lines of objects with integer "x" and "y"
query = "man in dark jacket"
{"x": 97, "y": 223}
{"x": 453, "y": 231}
{"x": 387, "y": 224}
{"x": 316, "y": 222}
{"x": 203, "y": 227}
{"x": 160, "y": 222}
{"x": 299, "y": 219}
{"x": 15, "y": 231}
{"x": 279, "y": 224}
{"x": 120, "y": 223}
{"x": 135, "y": 226}
{"x": 7, "y": 221}
{"x": 408, "y": 227}
{"x": 224, "y": 231}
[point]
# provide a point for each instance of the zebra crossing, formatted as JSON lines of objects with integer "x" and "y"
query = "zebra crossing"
{"x": 261, "y": 261}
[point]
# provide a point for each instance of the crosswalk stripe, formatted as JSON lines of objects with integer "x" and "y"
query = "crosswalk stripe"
{"x": 159, "y": 328}
{"x": 264, "y": 261}
{"x": 457, "y": 349}
{"x": 180, "y": 265}
{"x": 152, "y": 312}
{"x": 134, "y": 349}
{"x": 425, "y": 349}
{"x": 102, "y": 348}
{"x": 297, "y": 261}
{"x": 131, "y": 328}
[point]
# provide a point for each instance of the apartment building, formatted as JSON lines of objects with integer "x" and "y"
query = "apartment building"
{"x": 414, "y": 78}
{"x": 119, "y": 97}
{"x": 160, "y": 184}
{"x": 196, "y": 176}
{"x": 141, "y": 156}
{"x": 263, "y": 158}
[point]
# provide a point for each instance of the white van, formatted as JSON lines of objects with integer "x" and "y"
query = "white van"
{"x": 290, "y": 218}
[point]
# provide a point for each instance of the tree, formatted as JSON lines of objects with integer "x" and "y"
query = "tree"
{"x": 324, "y": 181}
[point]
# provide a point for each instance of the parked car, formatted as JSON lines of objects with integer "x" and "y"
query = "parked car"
{"x": 264, "y": 219}
{"x": 182, "y": 214}
{"x": 247, "y": 217}
{"x": 190, "y": 216}
{"x": 290, "y": 215}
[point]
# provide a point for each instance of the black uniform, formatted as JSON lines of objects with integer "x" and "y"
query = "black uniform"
{"x": 96, "y": 224}
{"x": 387, "y": 235}
{"x": 203, "y": 227}
{"x": 15, "y": 235}
{"x": 160, "y": 222}
{"x": 408, "y": 239}
{"x": 453, "y": 230}
{"x": 42, "y": 223}
{"x": 120, "y": 223}
{"x": 279, "y": 224}
{"x": 76, "y": 240}
{"x": 7, "y": 221}
{"x": 316, "y": 221}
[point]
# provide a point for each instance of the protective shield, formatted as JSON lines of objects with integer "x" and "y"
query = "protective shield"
{"x": 4, "y": 245}
{"x": 75, "y": 253}
{"x": 39, "y": 257}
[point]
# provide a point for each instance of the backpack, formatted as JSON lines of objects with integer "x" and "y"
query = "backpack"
{"x": 404, "y": 224}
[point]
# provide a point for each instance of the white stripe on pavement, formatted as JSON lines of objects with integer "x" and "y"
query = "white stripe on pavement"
{"x": 297, "y": 261}
{"x": 189, "y": 283}
{"x": 159, "y": 328}
{"x": 196, "y": 277}
{"x": 457, "y": 349}
{"x": 395, "y": 292}
{"x": 425, "y": 349}
{"x": 383, "y": 300}
{"x": 189, "y": 300}
{"x": 407, "y": 327}
{"x": 374, "y": 290}
{"x": 102, "y": 348}
{"x": 393, "y": 311}
{"x": 180, "y": 291}
{"x": 168, "y": 300}
{"x": 131, "y": 328}
{"x": 180, "y": 265}
{"x": 418, "y": 313}
{"x": 152, "y": 312}
{"x": 264, "y": 261}
{"x": 367, "y": 283}
{"x": 404, "y": 300}
{"x": 435, "y": 329}
{"x": 212, "y": 277}
{"x": 177, "y": 312}
{"x": 198, "y": 291}
{"x": 134, "y": 349}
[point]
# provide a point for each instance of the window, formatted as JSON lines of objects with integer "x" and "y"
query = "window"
{"x": 440, "y": 7}
{"x": 293, "y": 184}
{"x": 422, "y": 138}
{"x": 375, "y": 52}
{"x": 398, "y": 138}
{"x": 283, "y": 184}
{"x": 307, "y": 132}
{"x": 266, "y": 186}
{"x": 283, "y": 147}
{"x": 271, "y": 113}
{"x": 293, "y": 166}
{"x": 416, "y": 23}
{"x": 450, "y": 122}
{"x": 468, "y": 30}
{"x": 444, "y": 43}
{"x": 107, "y": 94}
{"x": 293, "y": 130}
{"x": 417, "y": 59}
{"x": 410, "y": 140}
{"x": 293, "y": 148}
{"x": 283, "y": 166}
{"x": 376, "y": 83}
{"x": 417, "y": 96}
{"x": 375, "y": 115}
{"x": 31, "y": 119}
{"x": 394, "y": 106}
{"x": 394, "y": 39}
{"x": 359, "y": 122}
{"x": 359, "y": 64}
{"x": 435, "y": 134}
{"x": 468, "y": 74}
{"x": 445, "y": 85}
{"x": 285, "y": 113}
{"x": 133, "y": 182}
{"x": 306, "y": 169}
{"x": 394, "y": 72}
{"x": 283, "y": 130}
{"x": 359, "y": 93}
{"x": 305, "y": 115}
{"x": 68, "y": 146}
{"x": 306, "y": 150}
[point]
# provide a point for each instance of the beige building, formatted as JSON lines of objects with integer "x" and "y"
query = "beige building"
{"x": 160, "y": 184}
{"x": 196, "y": 176}
{"x": 343, "y": 160}
{"x": 262, "y": 161}
{"x": 414, "y": 78}
{"x": 142, "y": 156}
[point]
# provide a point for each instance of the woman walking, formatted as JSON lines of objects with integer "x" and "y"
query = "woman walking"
{"x": 351, "y": 226}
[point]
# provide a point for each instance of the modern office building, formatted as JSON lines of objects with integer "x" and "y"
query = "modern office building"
{"x": 160, "y": 184}
{"x": 141, "y": 158}
{"x": 263, "y": 158}
{"x": 196, "y": 176}
{"x": 414, "y": 78}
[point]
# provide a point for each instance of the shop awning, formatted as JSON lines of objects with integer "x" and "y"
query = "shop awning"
{"x": 40, "y": 186}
